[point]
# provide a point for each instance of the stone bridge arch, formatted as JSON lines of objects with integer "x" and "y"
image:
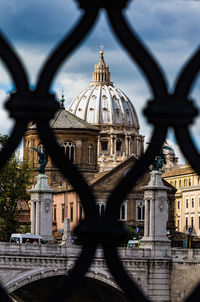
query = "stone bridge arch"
{"x": 23, "y": 278}
{"x": 31, "y": 276}
{"x": 94, "y": 288}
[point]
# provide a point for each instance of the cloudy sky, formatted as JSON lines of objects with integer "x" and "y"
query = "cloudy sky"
{"x": 170, "y": 29}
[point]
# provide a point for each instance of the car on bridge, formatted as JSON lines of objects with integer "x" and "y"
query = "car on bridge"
{"x": 27, "y": 238}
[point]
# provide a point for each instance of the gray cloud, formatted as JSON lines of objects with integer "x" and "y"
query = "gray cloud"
{"x": 167, "y": 27}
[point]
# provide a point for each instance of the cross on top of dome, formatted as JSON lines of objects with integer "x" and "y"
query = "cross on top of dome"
{"x": 101, "y": 51}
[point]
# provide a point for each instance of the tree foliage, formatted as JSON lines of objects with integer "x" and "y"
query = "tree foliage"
{"x": 14, "y": 180}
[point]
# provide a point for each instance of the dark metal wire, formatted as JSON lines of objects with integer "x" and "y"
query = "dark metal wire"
{"x": 162, "y": 111}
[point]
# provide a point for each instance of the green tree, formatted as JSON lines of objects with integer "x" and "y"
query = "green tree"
{"x": 14, "y": 180}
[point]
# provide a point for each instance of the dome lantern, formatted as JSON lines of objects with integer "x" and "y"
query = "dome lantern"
{"x": 101, "y": 74}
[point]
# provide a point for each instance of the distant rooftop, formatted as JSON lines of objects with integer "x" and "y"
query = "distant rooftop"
{"x": 65, "y": 120}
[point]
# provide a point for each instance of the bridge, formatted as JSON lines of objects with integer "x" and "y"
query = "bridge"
{"x": 168, "y": 277}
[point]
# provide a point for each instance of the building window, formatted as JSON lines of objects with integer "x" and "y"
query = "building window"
{"x": 190, "y": 182}
{"x": 186, "y": 203}
{"x": 90, "y": 154}
{"x": 175, "y": 183}
{"x": 178, "y": 204}
{"x": 69, "y": 150}
{"x": 118, "y": 146}
{"x": 185, "y": 182}
{"x": 63, "y": 212}
{"x": 186, "y": 223}
{"x": 192, "y": 202}
{"x": 104, "y": 145}
{"x": 54, "y": 213}
{"x": 123, "y": 211}
{"x": 192, "y": 222}
{"x": 179, "y": 183}
{"x": 199, "y": 222}
{"x": 101, "y": 208}
{"x": 71, "y": 212}
{"x": 140, "y": 210}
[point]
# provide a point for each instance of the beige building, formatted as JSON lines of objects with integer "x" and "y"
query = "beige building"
{"x": 132, "y": 210}
{"x": 77, "y": 138}
{"x": 187, "y": 198}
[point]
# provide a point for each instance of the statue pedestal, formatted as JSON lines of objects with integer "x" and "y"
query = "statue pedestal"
{"x": 156, "y": 215}
{"x": 66, "y": 238}
{"x": 41, "y": 208}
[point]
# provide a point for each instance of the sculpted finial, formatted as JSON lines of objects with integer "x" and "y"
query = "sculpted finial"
{"x": 101, "y": 51}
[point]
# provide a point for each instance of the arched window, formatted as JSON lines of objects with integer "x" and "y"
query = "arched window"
{"x": 140, "y": 210}
{"x": 123, "y": 211}
{"x": 101, "y": 208}
{"x": 90, "y": 154}
{"x": 69, "y": 150}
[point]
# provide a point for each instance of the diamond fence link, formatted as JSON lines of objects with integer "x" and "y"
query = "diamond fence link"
{"x": 164, "y": 110}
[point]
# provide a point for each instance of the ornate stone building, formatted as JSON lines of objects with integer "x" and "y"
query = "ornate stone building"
{"x": 77, "y": 138}
{"x": 102, "y": 104}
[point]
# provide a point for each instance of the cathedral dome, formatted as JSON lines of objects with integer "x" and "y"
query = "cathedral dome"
{"x": 102, "y": 103}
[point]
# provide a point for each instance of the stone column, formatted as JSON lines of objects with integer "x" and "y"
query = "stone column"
{"x": 33, "y": 216}
{"x": 146, "y": 221}
{"x": 98, "y": 147}
{"x": 42, "y": 197}
{"x": 37, "y": 222}
{"x": 155, "y": 226}
{"x": 151, "y": 218}
{"x": 114, "y": 144}
{"x": 129, "y": 145}
{"x": 111, "y": 145}
{"x": 126, "y": 140}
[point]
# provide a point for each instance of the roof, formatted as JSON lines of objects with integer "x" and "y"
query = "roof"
{"x": 112, "y": 177}
{"x": 65, "y": 120}
{"x": 180, "y": 171}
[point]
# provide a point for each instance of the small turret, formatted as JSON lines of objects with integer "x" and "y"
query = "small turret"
{"x": 62, "y": 100}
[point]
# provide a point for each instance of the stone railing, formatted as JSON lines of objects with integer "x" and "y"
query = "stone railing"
{"x": 184, "y": 254}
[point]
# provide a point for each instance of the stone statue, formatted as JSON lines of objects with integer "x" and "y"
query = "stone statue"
{"x": 160, "y": 159}
{"x": 43, "y": 160}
